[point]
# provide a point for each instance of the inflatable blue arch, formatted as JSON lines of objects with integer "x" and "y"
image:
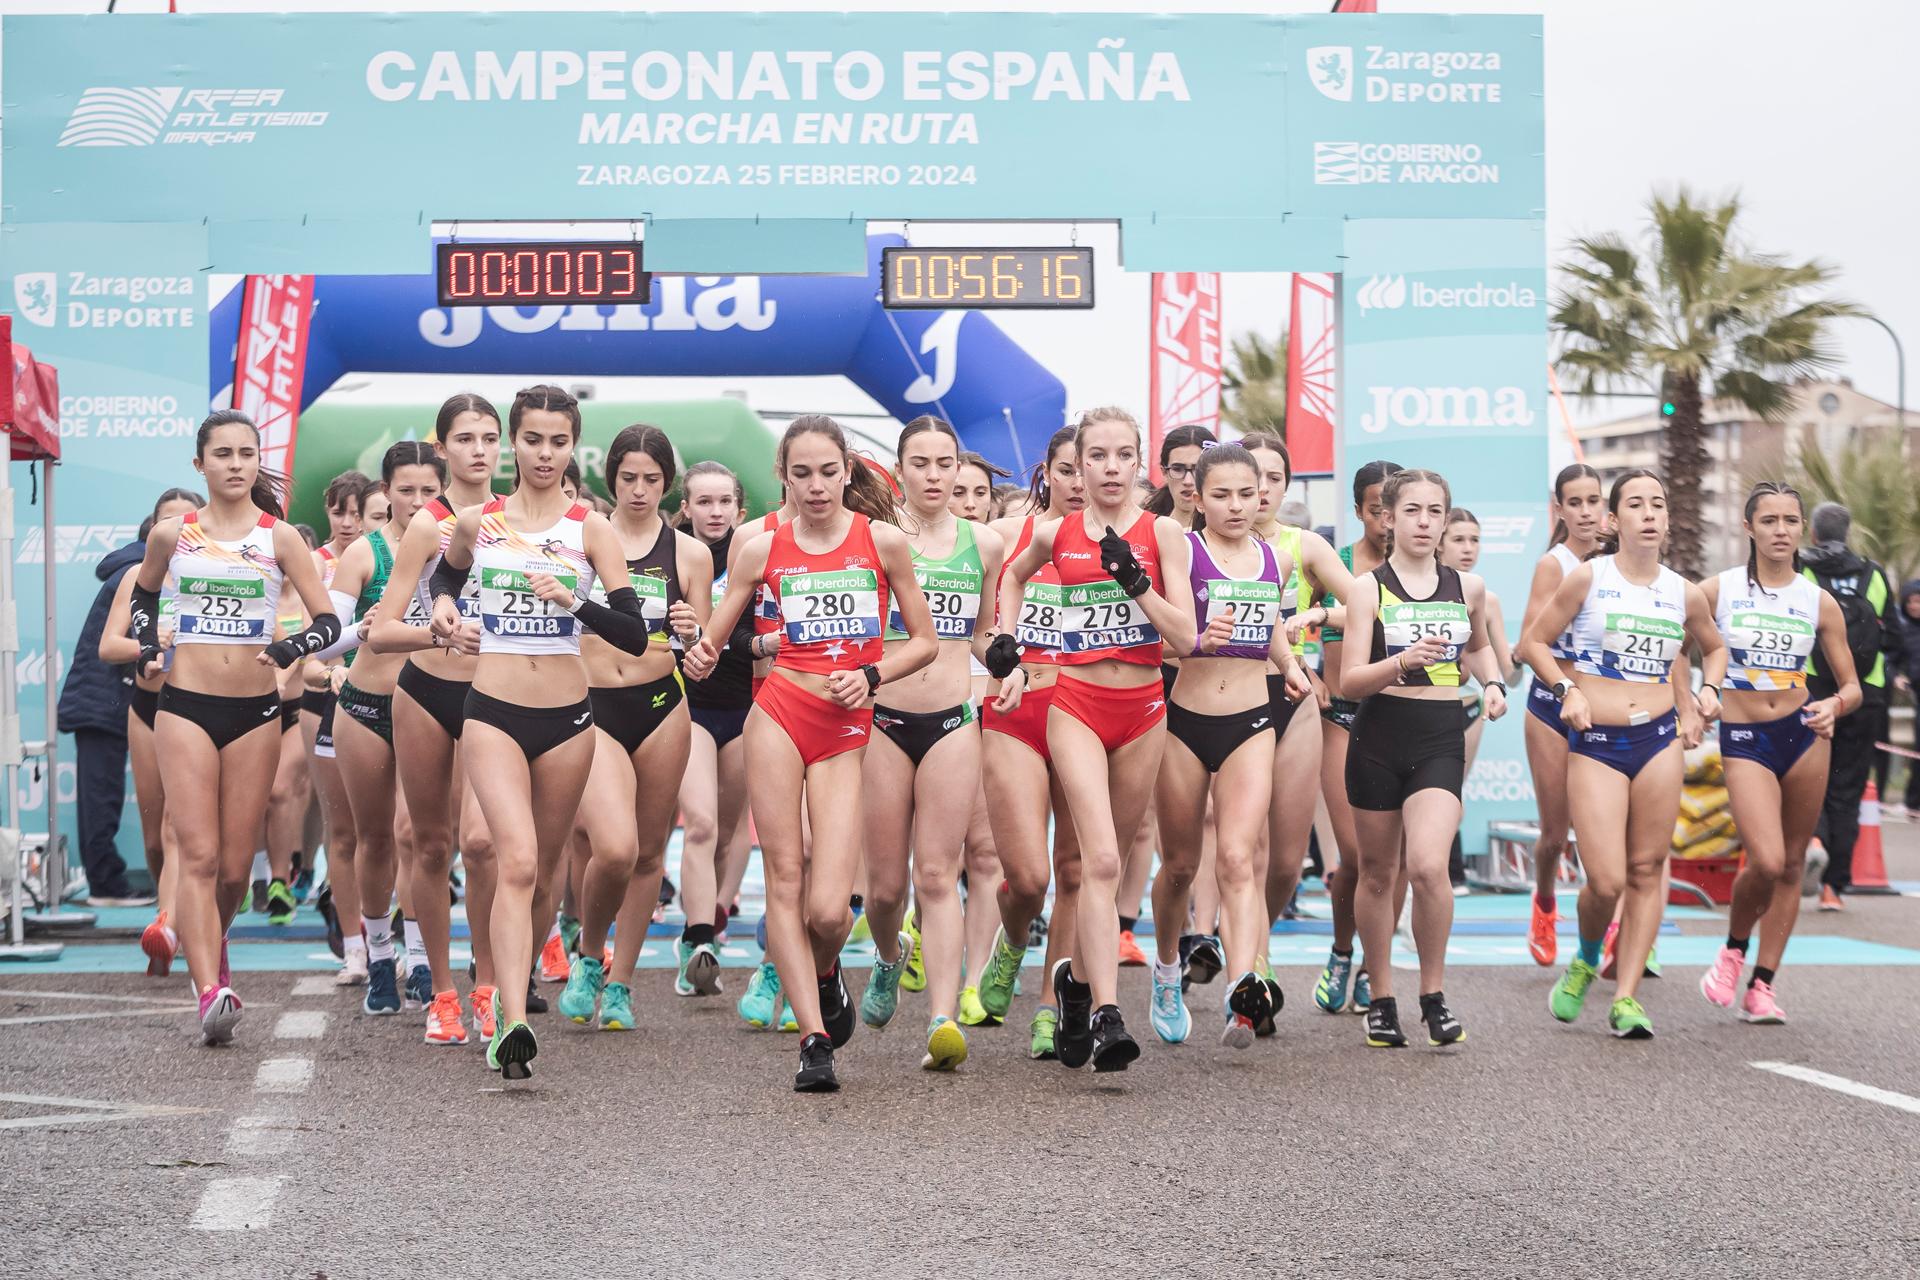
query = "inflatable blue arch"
{"x": 958, "y": 365}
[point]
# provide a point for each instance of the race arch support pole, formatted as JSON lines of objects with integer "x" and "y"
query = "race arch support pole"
{"x": 15, "y": 947}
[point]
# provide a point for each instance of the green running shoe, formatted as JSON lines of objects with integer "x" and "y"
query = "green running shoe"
{"x": 915, "y": 977}
{"x": 862, "y": 930}
{"x": 1330, "y": 993}
{"x": 1570, "y": 993}
{"x": 511, "y": 1052}
{"x": 1652, "y": 969}
{"x": 1045, "y": 1023}
{"x": 946, "y": 1045}
{"x": 1001, "y": 974}
{"x": 972, "y": 1012}
{"x": 881, "y": 999}
{"x": 280, "y": 903}
{"x": 760, "y": 1005}
{"x": 616, "y": 1007}
{"x": 582, "y": 992}
{"x": 1628, "y": 1020}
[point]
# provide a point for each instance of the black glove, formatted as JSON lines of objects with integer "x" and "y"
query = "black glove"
{"x": 324, "y": 631}
{"x": 1116, "y": 558}
{"x": 145, "y": 611}
{"x": 1003, "y": 655}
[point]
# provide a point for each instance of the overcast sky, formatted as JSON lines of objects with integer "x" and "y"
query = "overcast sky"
{"x": 1809, "y": 109}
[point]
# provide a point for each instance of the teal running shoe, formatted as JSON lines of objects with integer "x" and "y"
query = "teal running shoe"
{"x": 760, "y": 1005}
{"x": 582, "y": 993}
{"x": 1362, "y": 993}
{"x": 1171, "y": 1021}
{"x": 1000, "y": 979}
{"x": 1330, "y": 992}
{"x": 569, "y": 932}
{"x": 881, "y": 999}
{"x": 699, "y": 969}
{"x": 788, "y": 1023}
{"x": 616, "y": 1007}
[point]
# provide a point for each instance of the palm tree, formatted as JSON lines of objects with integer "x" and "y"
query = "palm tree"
{"x": 1691, "y": 313}
{"x": 1254, "y": 382}
{"x": 1873, "y": 480}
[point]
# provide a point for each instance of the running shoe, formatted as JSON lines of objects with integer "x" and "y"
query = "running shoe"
{"x": 1037, "y": 934}
{"x": 1330, "y": 992}
{"x": 280, "y": 903}
{"x": 1442, "y": 1027}
{"x": 303, "y": 885}
{"x": 481, "y": 1002}
{"x": 1543, "y": 934}
{"x": 1202, "y": 960}
{"x": 219, "y": 1011}
{"x": 444, "y": 1025}
{"x": 1383, "y": 1025}
{"x": 1607, "y": 945}
{"x": 1652, "y": 969}
{"x": 1759, "y": 1007}
{"x": 788, "y": 1023}
{"x": 1276, "y": 1000}
{"x": 1569, "y": 995}
{"x": 1000, "y": 975}
{"x": 616, "y": 1007}
{"x": 759, "y": 1005}
{"x": 915, "y": 977}
{"x": 1246, "y": 1005}
{"x": 383, "y": 989}
{"x": 1131, "y": 956}
{"x": 946, "y": 1045}
{"x": 816, "y": 1066}
{"x": 569, "y": 933}
{"x": 336, "y": 938}
{"x": 511, "y": 1053}
{"x": 1362, "y": 993}
{"x": 419, "y": 991}
{"x": 1830, "y": 899}
{"x": 882, "y": 997}
{"x": 1628, "y": 1021}
{"x": 1073, "y": 1032}
{"x": 836, "y": 1006}
{"x": 582, "y": 994}
{"x": 862, "y": 929}
{"x": 157, "y": 941}
{"x": 1721, "y": 984}
{"x": 1041, "y": 1030}
{"x": 257, "y": 898}
{"x": 1113, "y": 1049}
{"x": 536, "y": 1003}
{"x": 972, "y": 1012}
{"x": 553, "y": 961}
{"x": 699, "y": 969}
{"x": 1169, "y": 1016}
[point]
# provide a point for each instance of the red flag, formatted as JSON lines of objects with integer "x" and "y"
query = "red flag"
{"x": 1312, "y": 347}
{"x": 1185, "y": 361}
{"x": 270, "y": 362}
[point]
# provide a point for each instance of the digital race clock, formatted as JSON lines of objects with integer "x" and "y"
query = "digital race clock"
{"x": 986, "y": 279}
{"x": 527, "y": 273}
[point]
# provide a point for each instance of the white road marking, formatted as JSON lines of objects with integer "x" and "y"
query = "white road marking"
{"x": 1840, "y": 1084}
{"x": 87, "y": 1111}
{"x": 237, "y": 1204}
{"x": 261, "y": 1135}
{"x": 305, "y": 1024}
{"x": 175, "y": 1009}
{"x": 283, "y": 1075}
{"x": 319, "y": 984}
{"x": 80, "y": 995}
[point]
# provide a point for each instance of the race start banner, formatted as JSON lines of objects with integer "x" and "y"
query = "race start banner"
{"x": 270, "y": 362}
{"x": 1185, "y": 378}
{"x": 735, "y": 145}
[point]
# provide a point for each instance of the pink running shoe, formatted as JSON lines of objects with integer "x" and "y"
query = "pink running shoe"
{"x": 1759, "y": 1007}
{"x": 219, "y": 1011}
{"x": 1721, "y": 984}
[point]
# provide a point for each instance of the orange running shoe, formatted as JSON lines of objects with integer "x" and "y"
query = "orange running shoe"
{"x": 553, "y": 960}
{"x": 1543, "y": 934}
{"x": 1606, "y": 951}
{"x": 482, "y": 1002}
{"x": 443, "y": 1019}
{"x": 157, "y": 941}
{"x": 1131, "y": 956}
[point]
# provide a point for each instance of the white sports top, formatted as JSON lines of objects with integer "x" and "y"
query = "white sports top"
{"x": 1629, "y": 632}
{"x": 1769, "y": 633}
{"x": 419, "y": 610}
{"x": 1563, "y": 647}
{"x": 512, "y": 618}
{"x": 226, "y": 592}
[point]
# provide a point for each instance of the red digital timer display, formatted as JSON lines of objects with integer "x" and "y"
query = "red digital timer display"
{"x": 524, "y": 273}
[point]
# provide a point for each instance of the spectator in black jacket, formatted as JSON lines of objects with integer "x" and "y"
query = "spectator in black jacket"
{"x": 93, "y": 708}
{"x": 1908, "y": 678}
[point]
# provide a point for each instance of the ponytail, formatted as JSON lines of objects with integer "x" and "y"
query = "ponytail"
{"x": 868, "y": 492}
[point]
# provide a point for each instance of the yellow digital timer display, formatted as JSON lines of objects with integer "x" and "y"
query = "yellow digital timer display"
{"x": 950, "y": 279}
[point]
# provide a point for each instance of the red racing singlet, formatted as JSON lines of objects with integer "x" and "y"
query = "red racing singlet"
{"x": 766, "y": 606}
{"x": 1038, "y": 626}
{"x": 1097, "y": 620}
{"x": 831, "y": 605}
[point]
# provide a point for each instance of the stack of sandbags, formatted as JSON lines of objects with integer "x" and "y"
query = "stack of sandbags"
{"x": 1704, "y": 828}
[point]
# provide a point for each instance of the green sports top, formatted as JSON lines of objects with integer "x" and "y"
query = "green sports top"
{"x": 376, "y": 585}
{"x": 952, "y": 586}
{"x": 1331, "y": 634}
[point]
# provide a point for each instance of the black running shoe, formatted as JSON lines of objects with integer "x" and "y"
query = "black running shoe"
{"x": 1383, "y": 1025}
{"x": 336, "y": 940}
{"x": 1276, "y": 1001}
{"x": 515, "y": 1052}
{"x": 1073, "y": 1039}
{"x": 816, "y": 1066}
{"x": 666, "y": 891}
{"x": 836, "y": 1008}
{"x": 1204, "y": 960}
{"x": 1442, "y": 1027}
{"x": 258, "y": 897}
{"x": 1247, "y": 1008}
{"x": 1113, "y": 1048}
{"x": 536, "y": 1003}
{"x": 1037, "y": 933}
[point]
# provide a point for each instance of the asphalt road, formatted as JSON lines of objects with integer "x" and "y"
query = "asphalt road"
{"x": 354, "y": 1150}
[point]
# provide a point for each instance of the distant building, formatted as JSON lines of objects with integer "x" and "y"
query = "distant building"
{"x": 1744, "y": 449}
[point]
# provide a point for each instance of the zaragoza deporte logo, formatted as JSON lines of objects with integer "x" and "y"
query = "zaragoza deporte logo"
{"x": 110, "y": 117}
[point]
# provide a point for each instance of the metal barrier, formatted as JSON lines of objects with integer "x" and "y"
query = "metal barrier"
{"x": 1507, "y": 865}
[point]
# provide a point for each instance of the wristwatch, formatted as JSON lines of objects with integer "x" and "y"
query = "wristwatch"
{"x": 872, "y": 673}
{"x": 1562, "y": 687}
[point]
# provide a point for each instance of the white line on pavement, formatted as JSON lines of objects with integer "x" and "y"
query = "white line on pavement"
{"x": 283, "y": 1075}
{"x": 261, "y": 1135}
{"x": 319, "y": 984}
{"x": 1840, "y": 1084}
{"x": 237, "y": 1204}
{"x": 89, "y": 1111}
{"x": 306, "y": 1024}
{"x": 174, "y": 1009}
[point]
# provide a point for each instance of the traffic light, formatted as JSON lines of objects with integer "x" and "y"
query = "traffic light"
{"x": 1666, "y": 409}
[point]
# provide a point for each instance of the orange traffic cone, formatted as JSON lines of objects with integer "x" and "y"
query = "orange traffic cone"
{"x": 1869, "y": 860}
